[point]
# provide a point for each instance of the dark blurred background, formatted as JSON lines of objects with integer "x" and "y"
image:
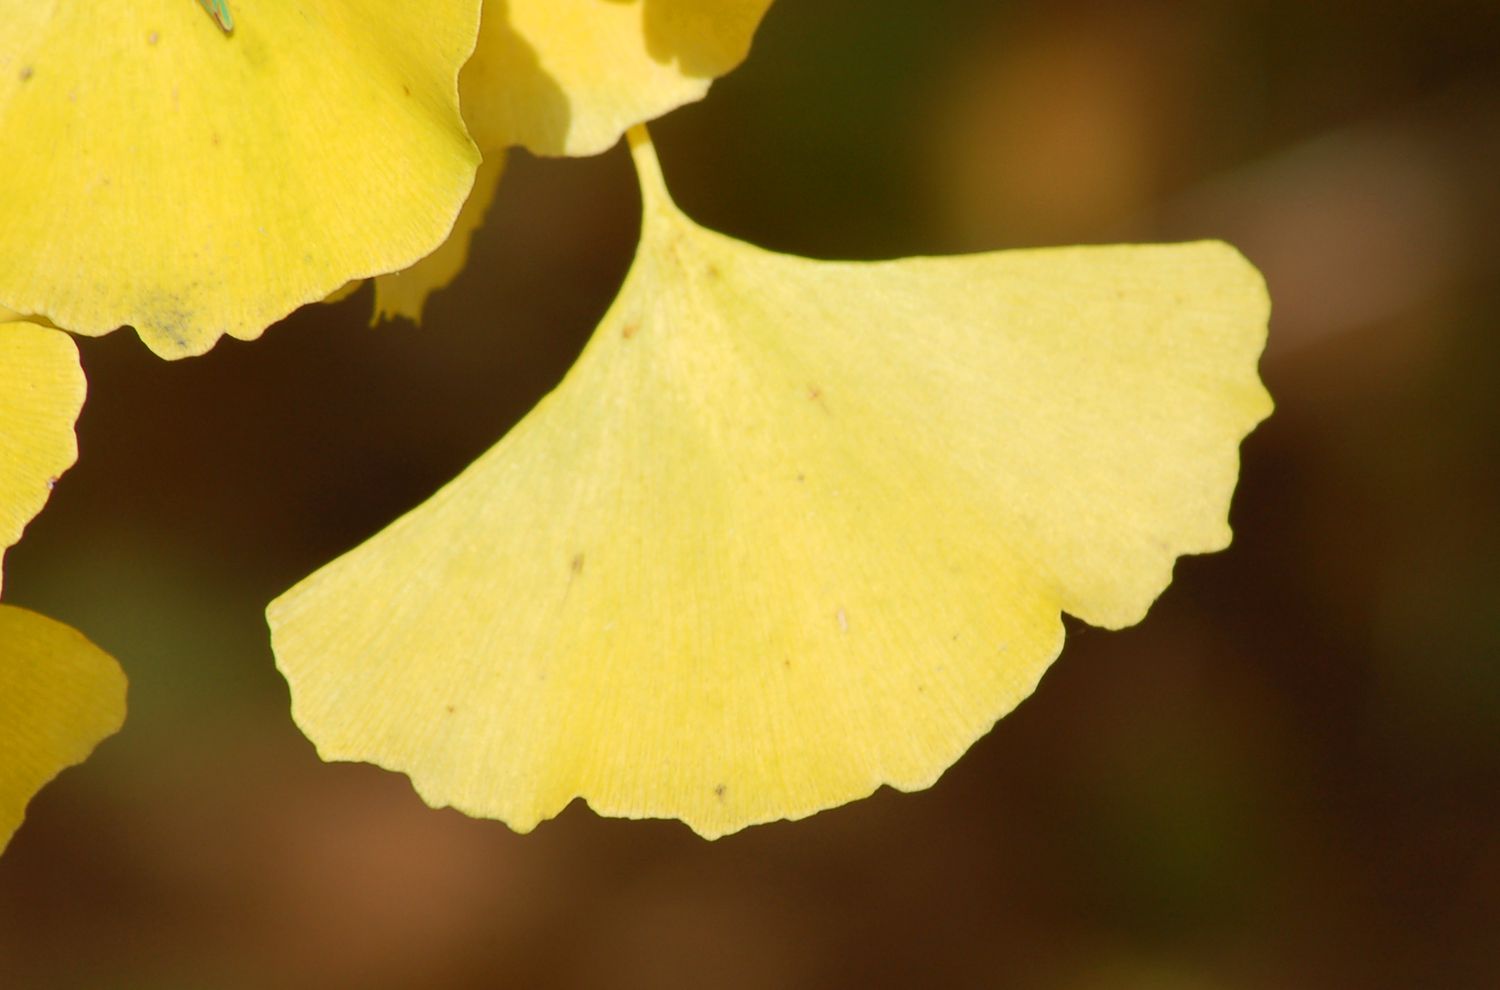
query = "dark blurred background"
{"x": 1288, "y": 776}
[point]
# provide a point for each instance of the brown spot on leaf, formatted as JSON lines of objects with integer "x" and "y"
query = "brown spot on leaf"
{"x": 630, "y": 330}
{"x": 451, "y": 709}
{"x": 27, "y": 72}
{"x": 815, "y": 394}
{"x": 576, "y": 565}
{"x": 719, "y": 791}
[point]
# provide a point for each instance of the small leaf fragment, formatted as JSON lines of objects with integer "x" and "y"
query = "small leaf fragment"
{"x": 405, "y": 293}
{"x": 60, "y": 695}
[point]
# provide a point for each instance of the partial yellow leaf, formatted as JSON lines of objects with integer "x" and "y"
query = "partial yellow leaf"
{"x": 59, "y": 696}
{"x": 567, "y": 77}
{"x": 789, "y": 529}
{"x": 193, "y": 183}
{"x": 41, "y": 394}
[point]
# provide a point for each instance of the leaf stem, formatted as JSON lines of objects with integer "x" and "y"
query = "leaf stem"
{"x": 648, "y": 173}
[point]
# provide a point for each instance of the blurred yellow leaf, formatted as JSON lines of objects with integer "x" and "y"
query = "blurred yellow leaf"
{"x": 41, "y": 393}
{"x": 789, "y": 529}
{"x": 193, "y": 183}
{"x": 59, "y": 696}
{"x": 344, "y": 291}
{"x": 405, "y": 293}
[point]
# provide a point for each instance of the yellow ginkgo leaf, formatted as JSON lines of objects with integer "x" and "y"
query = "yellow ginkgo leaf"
{"x": 41, "y": 393}
{"x": 789, "y": 529}
{"x": 193, "y": 182}
{"x": 567, "y": 77}
{"x": 59, "y": 696}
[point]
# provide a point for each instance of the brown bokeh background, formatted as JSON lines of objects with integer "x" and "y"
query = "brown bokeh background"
{"x": 1288, "y": 776}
